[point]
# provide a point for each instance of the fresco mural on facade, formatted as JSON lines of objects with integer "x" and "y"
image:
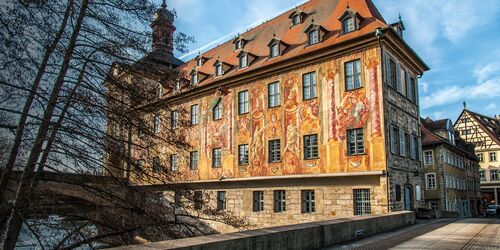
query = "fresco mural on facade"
{"x": 330, "y": 84}
{"x": 374, "y": 97}
{"x": 291, "y": 150}
{"x": 257, "y": 145}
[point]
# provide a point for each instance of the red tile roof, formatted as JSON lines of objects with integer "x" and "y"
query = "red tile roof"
{"x": 319, "y": 12}
{"x": 428, "y": 137}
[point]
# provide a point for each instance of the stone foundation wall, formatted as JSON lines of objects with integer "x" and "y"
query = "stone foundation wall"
{"x": 333, "y": 199}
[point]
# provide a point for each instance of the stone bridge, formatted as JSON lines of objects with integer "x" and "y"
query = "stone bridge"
{"x": 70, "y": 193}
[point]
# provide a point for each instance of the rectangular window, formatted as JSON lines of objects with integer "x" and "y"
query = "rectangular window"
{"x": 275, "y": 50}
{"x": 217, "y": 111}
{"x": 174, "y": 119}
{"x": 480, "y": 156}
{"x": 362, "y": 204}
{"x": 274, "y": 94}
{"x": 274, "y": 151}
{"x": 194, "y": 79}
{"x": 494, "y": 175}
{"x": 198, "y": 200}
{"x": 157, "y": 124}
{"x": 394, "y": 134}
{"x": 279, "y": 201}
{"x": 313, "y": 37}
{"x": 355, "y": 141}
{"x": 398, "y": 192}
{"x": 391, "y": 74}
{"x": 309, "y": 86}
{"x": 243, "y": 61}
{"x": 430, "y": 180}
{"x": 482, "y": 175}
{"x": 348, "y": 25}
{"x": 216, "y": 157}
{"x": 258, "y": 201}
{"x": 221, "y": 200}
{"x": 243, "y": 102}
{"x": 194, "y": 114}
{"x": 156, "y": 165}
{"x": 310, "y": 147}
{"x": 218, "y": 70}
{"x": 308, "y": 204}
{"x": 193, "y": 160}
{"x": 243, "y": 154}
{"x": 173, "y": 162}
{"x": 493, "y": 156}
{"x": 353, "y": 74}
{"x": 428, "y": 157}
{"x": 402, "y": 143}
{"x": 412, "y": 147}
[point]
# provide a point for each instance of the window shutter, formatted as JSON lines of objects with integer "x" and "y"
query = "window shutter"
{"x": 408, "y": 85}
{"x": 391, "y": 139}
{"x": 398, "y": 77}
{"x": 276, "y": 201}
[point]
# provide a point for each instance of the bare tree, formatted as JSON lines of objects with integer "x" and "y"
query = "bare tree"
{"x": 56, "y": 55}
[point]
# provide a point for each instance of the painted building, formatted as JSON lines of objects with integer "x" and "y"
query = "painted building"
{"x": 451, "y": 170}
{"x": 484, "y": 133}
{"x": 311, "y": 115}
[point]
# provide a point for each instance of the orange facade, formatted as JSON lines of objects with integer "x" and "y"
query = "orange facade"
{"x": 329, "y": 115}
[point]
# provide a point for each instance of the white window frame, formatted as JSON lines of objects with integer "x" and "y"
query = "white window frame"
{"x": 426, "y": 162}
{"x": 430, "y": 181}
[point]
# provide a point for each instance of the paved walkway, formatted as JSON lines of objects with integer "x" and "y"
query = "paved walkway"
{"x": 436, "y": 234}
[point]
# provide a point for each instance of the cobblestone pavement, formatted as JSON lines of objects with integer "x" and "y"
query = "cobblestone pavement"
{"x": 477, "y": 233}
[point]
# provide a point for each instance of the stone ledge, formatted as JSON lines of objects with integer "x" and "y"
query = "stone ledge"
{"x": 312, "y": 235}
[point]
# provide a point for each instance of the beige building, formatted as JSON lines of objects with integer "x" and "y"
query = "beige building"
{"x": 451, "y": 170}
{"x": 311, "y": 115}
{"x": 484, "y": 133}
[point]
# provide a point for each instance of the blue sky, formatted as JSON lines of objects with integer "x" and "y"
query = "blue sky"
{"x": 458, "y": 39}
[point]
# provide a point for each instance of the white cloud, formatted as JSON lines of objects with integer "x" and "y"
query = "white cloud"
{"x": 429, "y": 21}
{"x": 424, "y": 86}
{"x": 492, "y": 107}
{"x": 489, "y": 88}
{"x": 483, "y": 72}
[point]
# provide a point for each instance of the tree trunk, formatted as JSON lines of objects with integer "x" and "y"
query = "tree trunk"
{"x": 15, "y": 220}
{"x": 24, "y": 116}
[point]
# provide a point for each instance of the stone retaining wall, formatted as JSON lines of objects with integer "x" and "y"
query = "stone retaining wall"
{"x": 313, "y": 235}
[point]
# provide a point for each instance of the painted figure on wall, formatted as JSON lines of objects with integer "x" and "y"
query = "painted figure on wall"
{"x": 291, "y": 152}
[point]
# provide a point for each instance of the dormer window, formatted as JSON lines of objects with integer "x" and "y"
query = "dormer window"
{"x": 239, "y": 42}
{"x": 315, "y": 34}
{"x": 296, "y": 19}
{"x": 274, "y": 50}
{"x": 297, "y": 16}
{"x": 243, "y": 61}
{"x": 313, "y": 37}
{"x": 199, "y": 62}
{"x": 350, "y": 20}
{"x": 194, "y": 78}
{"x": 219, "y": 70}
{"x": 276, "y": 47}
{"x": 177, "y": 85}
{"x": 348, "y": 25}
